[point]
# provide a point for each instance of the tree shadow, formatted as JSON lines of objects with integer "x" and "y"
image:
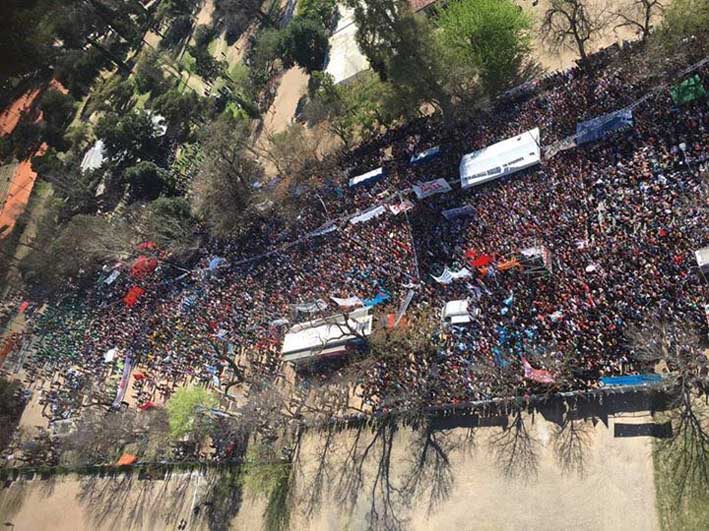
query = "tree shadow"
{"x": 516, "y": 451}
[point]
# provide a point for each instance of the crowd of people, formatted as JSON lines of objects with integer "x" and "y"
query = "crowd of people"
{"x": 618, "y": 219}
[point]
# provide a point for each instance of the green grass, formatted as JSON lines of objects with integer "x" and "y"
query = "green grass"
{"x": 692, "y": 512}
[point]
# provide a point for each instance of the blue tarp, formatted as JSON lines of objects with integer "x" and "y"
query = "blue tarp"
{"x": 597, "y": 128}
{"x": 381, "y": 297}
{"x": 633, "y": 379}
{"x": 423, "y": 156}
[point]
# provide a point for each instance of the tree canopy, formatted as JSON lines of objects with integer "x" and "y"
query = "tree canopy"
{"x": 184, "y": 407}
{"x": 492, "y": 35}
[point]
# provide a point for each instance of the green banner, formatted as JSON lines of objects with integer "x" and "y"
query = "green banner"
{"x": 688, "y": 90}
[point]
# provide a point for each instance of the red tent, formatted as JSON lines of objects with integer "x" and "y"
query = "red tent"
{"x": 138, "y": 376}
{"x": 143, "y": 266}
{"x": 146, "y": 406}
{"x": 23, "y": 306}
{"x": 132, "y": 296}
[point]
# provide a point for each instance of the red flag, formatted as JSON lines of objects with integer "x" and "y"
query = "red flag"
{"x": 537, "y": 375}
{"x": 483, "y": 260}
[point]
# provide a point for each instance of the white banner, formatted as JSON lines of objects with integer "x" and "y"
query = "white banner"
{"x": 424, "y": 190}
{"x": 374, "y": 174}
{"x": 311, "y": 307}
{"x": 349, "y": 302}
{"x": 449, "y": 276}
{"x": 112, "y": 277}
{"x": 329, "y": 227}
{"x": 455, "y": 213}
{"x": 498, "y": 160}
{"x": 400, "y": 208}
{"x": 404, "y": 306}
{"x": 368, "y": 214}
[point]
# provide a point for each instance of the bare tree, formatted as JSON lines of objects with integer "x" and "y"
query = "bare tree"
{"x": 572, "y": 23}
{"x": 639, "y": 16}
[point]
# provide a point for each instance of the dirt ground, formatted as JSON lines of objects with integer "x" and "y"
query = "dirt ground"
{"x": 614, "y": 491}
{"x": 75, "y": 504}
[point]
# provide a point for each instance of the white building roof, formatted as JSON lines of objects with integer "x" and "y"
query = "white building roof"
{"x": 346, "y": 59}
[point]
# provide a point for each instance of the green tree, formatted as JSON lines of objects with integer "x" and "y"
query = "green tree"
{"x": 401, "y": 48}
{"x": 357, "y": 110}
{"x": 185, "y": 410}
{"x": 179, "y": 110}
{"x": 493, "y": 35}
{"x": 322, "y": 11}
{"x": 684, "y": 28}
{"x": 132, "y": 136}
{"x": 221, "y": 193}
{"x": 149, "y": 75}
{"x": 306, "y": 43}
{"x": 147, "y": 181}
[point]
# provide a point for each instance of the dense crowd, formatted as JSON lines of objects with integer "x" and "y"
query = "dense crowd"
{"x": 618, "y": 217}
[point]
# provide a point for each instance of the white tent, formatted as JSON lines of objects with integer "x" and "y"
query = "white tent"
{"x": 94, "y": 157}
{"x": 306, "y": 342}
{"x": 498, "y": 160}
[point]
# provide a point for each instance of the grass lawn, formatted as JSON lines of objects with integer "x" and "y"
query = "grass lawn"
{"x": 692, "y": 513}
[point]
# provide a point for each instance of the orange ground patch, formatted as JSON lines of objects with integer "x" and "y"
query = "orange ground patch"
{"x": 19, "y": 194}
{"x": 10, "y": 117}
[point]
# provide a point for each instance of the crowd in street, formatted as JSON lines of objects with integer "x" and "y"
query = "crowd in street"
{"x": 619, "y": 219}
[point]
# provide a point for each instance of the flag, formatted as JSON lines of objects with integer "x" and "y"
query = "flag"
{"x": 537, "y": 375}
{"x": 348, "y": 302}
{"x": 688, "y": 90}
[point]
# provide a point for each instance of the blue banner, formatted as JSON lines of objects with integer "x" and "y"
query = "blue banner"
{"x": 596, "y": 128}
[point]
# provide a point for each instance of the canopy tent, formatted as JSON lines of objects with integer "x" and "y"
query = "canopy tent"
{"x": 94, "y": 157}
{"x": 143, "y": 266}
{"x": 313, "y": 340}
{"x": 504, "y": 158}
{"x": 596, "y": 128}
{"x": 131, "y": 298}
{"x": 368, "y": 178}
